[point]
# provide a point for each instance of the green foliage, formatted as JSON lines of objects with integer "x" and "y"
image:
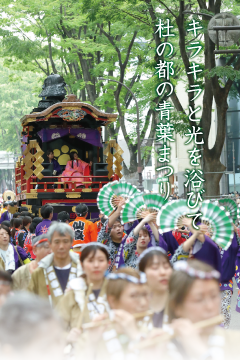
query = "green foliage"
{"x": 18, "y": 96}
{"x": 221, "y": 72}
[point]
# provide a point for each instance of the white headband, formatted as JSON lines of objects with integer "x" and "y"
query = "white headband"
{"x": 130, "y": 278}
{"x": 185, "y": 267}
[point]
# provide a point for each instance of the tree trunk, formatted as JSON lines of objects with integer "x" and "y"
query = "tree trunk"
{"x": 213, "y": 173}
{"x": 212, "y": 166}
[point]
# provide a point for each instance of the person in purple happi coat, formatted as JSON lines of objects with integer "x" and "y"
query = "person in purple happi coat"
{"x": 47, "y": 215}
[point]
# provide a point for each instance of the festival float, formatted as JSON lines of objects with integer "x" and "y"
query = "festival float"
{"x": 64, "y": 124}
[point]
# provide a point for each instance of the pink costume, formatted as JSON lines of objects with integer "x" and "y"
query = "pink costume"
{"x": 76, "y": 168}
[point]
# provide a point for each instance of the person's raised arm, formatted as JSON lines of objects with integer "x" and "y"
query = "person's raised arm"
{"x": 148, "y": 219}
{"x": 116, "y": 214}
{"x": 196, "y": 234}
{"x": 153, "y": 227}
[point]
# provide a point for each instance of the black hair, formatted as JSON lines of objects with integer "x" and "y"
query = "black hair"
{"x": 81, "y": 209}
{"x": 6, "y": 223}
{"x": 27, "y": 220}
{"x": 16, "y": 214}
{"x": 147, "y": 259}
{"x": 46, "y": 211}
{"x": 26, "y": 213}
{"x": 72, "y": 154}
{"x": 63, "y": 216}
{"x": 16, "y": 223}
{"x": 118, "y": 220}
{"x": 34, "y": 224}
{"x": 49, "y": 152}
{"x": 92, "y": 249}
{"x": 5, "y": 276}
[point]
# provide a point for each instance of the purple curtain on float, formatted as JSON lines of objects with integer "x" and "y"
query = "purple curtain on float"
{"x": 91, "y": 136}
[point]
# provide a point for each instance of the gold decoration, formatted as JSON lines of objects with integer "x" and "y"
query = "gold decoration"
{"x": 71, "y": 136}
{"x": 7, "y": 194}
{"x": 74, "y": 209}
{"x": 29, "y": 208}
{"x": 56, "y": 152}
{"x": 73, "y": 195}
{"x": 87, "y": 190}
{"x": 86, "y": 154}
{"x": 59, "y": 190}
{"x": 65, "y": 149}
{"x": 18, "y": 163}
{"x": 33, "y": 190}
{"x": 74, "y": 150}
{"x": 13, "y": 209}
{"x": 118, "y": 158}
{"x": 29, "y": 163}
{"x": 63, "y": 159}
{"x": 31, "y": 195}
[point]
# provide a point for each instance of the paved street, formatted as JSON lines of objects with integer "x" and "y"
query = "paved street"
{"x": 235, "y": 321}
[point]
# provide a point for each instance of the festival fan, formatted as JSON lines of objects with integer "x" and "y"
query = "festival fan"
{"x": 123, "y": 189}
{"x": 105, "y": 200}
{"x": 133, "y": 208}
{"x": 140, "y": 205}
{"x": 220, "y": 225}
{"x": 113, "y": 192}
{"x": 171, "y": 214}
{"x": 230, "y": 207}
{"x": 154, "y": 201}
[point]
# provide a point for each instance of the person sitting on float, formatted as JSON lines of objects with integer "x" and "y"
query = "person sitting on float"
{"x": 77, "y": 168}
{"x": 56, "y": 167}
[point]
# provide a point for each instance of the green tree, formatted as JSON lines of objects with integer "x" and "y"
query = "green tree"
{"x": 18, "y": 96}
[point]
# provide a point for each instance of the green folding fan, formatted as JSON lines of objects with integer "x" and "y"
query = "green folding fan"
{"x": 171, "y": 214}
{"x": 230, "y": 207}
{"x": 154, "y": 201}
{"x": 132, "y": 208}
{"x": 123, "y": 189}
{"x": 105, "y": 199}
{"x": 220, "y": 225}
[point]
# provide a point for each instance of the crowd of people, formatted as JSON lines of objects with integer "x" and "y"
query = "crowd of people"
{"x": 107, "y": 290}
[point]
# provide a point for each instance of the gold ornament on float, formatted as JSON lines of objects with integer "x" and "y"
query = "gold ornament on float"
{"x": 29, "y": 162}
{"x": 65, "y": 149}
{"x": 56, "y": 152}
{"x": 118, "y": 156}
{"x": 63, "y": 159}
